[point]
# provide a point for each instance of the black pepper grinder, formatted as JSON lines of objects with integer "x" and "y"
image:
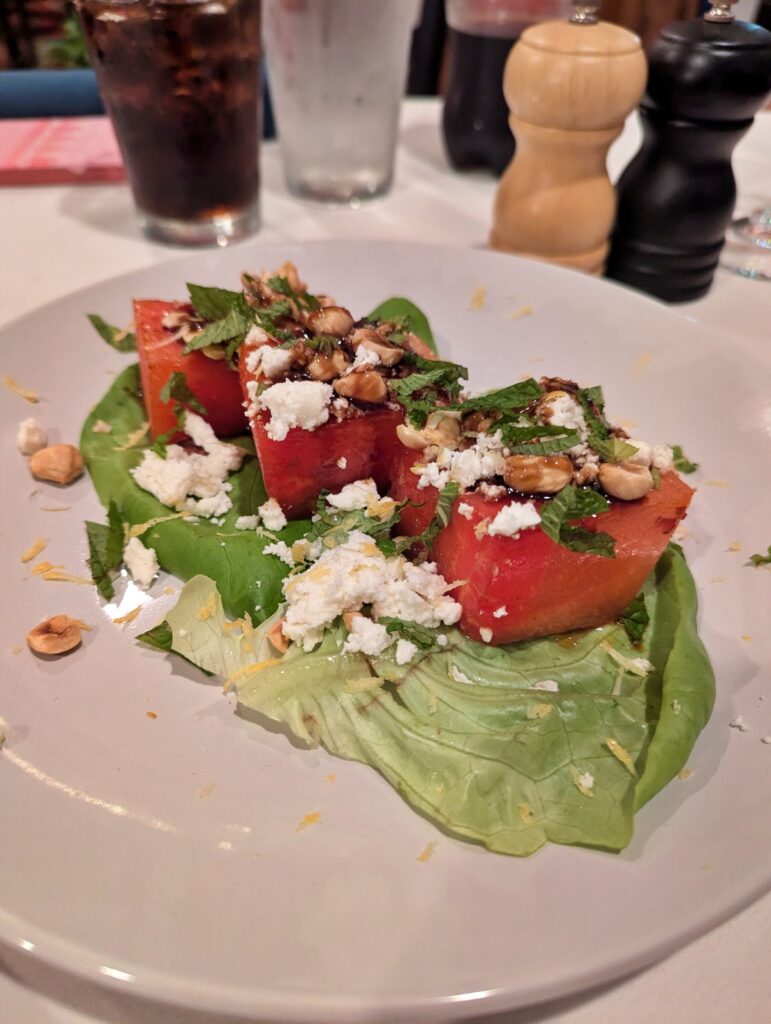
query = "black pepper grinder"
{"x": 708, "y": 77}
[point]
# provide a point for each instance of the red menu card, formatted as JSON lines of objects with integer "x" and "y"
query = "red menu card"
{"x": 56, "y": 151}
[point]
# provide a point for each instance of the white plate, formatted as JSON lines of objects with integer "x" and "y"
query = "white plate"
{"x": 163, "y": 853}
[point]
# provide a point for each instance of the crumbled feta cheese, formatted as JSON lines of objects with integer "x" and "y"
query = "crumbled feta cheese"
{"x": 141, "y": 562}
{"x": 367, "y": 636}
{"x": 565, "y": 411}
{"x": 586, "y": 780}
{"x": 662, "y": 457}
{"x": 272, "y": 515}
{"x": 296, "y": 403}
{"x": 269, "y": 360}
{"x": 548, "y": 685}
{"x": 100, "y": 427}
{"x": 642, "y": 457}
{"x": 457, "y": 675}
{"x": 342, "y": 462}
{"x": 280, "y": 550}
{"x": 357, "y": 573}
{"x": 442, "y": 640}
{"x": 190, "y": 480}
{"x": 340, "y": 406}
{"x": 359, "y": 494}
{"x": 255, "y": 336}
{"x": 432, "y": 476}
{"x": 247, "y": 522}
{"x": 31, "y": 437}
{"x": 365, "y": 359}
{"x": 465, "y": 510}
{"x": 405, "y": 651}
{"x": 513, "y": 518}
{"x": 486, "y": 634}
{"x": 739, "y": 723}
{"x": 500, "y": 612}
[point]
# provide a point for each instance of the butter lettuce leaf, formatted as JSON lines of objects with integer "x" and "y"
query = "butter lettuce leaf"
{"x": 249, "y": 581}
{"x": 511, "y": 746}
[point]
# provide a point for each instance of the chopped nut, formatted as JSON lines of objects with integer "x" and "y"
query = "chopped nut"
{"x": 443, "y": 429}
{"x": 277, "y": 638}
{"x": 477, "y": 422}
{"x": 328, "y": 367}
{"x": 57, "y": 635}
{"x": 334, "y": 320}
{"x": 538, "y": 474}
{"x": 367, "y": 337}
{"x": 410, "y": 437}
{"x": 59, "y": 463}
{"x": 215, "y": 352}
{"x": 368, "y": 386}
{"x": 624, "y": 480}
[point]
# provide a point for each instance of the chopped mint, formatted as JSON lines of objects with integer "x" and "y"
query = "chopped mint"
{"x": 429, "y": 387}
{"x": 177, "y": 388}
{"x": 613, "y": 449}
{"x": 656, "y": 474}
{"x": 504, "y": 400}
{"x": 303, "y": 300}
{"x": 635, "y": 619}
{"x": 447, "y": 496}
{"x": 212, "y": 303}
{"x": 575, "y": 503}
{"x": 105, "y": 548}
{"x": 681, "y": 462}
{"x": 758, "y": 560}
{"x": 121, "y": 340}
{"x": 423, "y": 637}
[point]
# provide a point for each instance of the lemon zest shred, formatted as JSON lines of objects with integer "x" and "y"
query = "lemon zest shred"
{"x": 128, "y": 617}
{"x": 25, "y": 393}
{"x": 621, "y": 754}
{"x": 133, "y": 438}
{"x": 139, "y": 528}
{"x": 249, "y": 670}
{"x": 34, "y": 549}
{"x": 310, "y": 819}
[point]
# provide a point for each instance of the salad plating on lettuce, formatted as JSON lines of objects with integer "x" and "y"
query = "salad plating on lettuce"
{"x": 475, "y": 594}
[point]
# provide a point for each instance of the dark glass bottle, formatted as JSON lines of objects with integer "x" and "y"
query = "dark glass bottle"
{"x": 707, "y": 80}
{"x": 475, "y": 121}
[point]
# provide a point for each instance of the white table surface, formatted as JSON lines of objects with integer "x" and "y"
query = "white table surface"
{"x": 58, "y": 239}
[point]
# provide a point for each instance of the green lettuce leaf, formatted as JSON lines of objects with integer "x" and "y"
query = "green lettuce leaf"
{"x": 463, "y": 734}
{"x": 250, "y": 582}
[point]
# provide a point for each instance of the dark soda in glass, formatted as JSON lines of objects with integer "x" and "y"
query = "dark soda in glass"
{"x": 181, "y": 82}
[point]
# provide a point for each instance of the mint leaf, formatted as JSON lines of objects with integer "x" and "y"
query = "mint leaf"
{"x": 303, "y": 300}
{"x": 508, "y": 399}
{"x": 575, "y": 503}
{"x": 635, "y": 619}
{"x": 681, "y": 462}
{"x": 233, "y": 325}
{"x": 120, "y": 340}
{"x": 212, "y": 303}
{"x": 159, "y": 636}
{"x": 422, "y": 392}
{"x": 758, "y": 560}
{"x": 105, "y": 550}
{"x": 447, "y": 496}
{"x": 656, "y": 474}
{"x": 548, "y": 447}
{"x": 613, "y": 449}
{"x": 176, "y": 388}
{"x": 592, "y": 403}
{"x": 423, "y": 637}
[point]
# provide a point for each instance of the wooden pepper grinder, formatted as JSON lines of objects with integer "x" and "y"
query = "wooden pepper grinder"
{"x": 708, "y": 78}
{"x": 570, "y": 86}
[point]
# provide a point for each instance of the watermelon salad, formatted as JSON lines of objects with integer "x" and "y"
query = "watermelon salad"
{"x": 476, "y": 594}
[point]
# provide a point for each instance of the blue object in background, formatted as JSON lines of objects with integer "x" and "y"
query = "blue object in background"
{"x": 68, "y": 93}
{"x": 74, "y": 93}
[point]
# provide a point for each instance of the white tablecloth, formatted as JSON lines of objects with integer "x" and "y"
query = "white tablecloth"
{"x": 58, "y": 239}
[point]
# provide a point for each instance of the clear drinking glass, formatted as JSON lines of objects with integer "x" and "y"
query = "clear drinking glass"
{"x": 747, "y": 249}
{"x": 337, "y": 70}
{"x": 181, "y": 82}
